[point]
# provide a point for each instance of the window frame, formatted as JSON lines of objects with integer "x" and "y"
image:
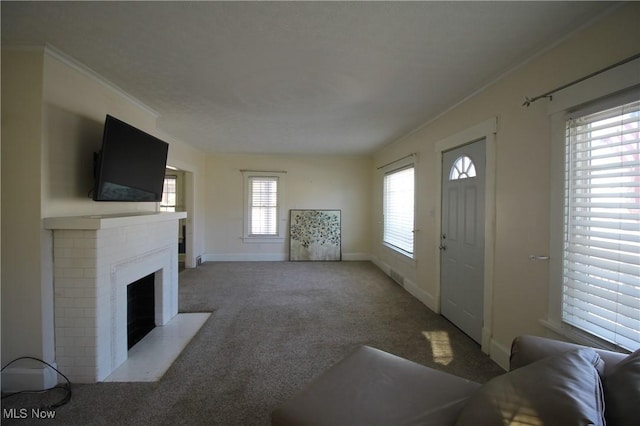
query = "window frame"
{"x": 409, "y": 163}
{"x": 603, "y": 92}
{"x": 170, "y": 207}
{"x": 279, "y": 236}
{"x": 576, "y": 245}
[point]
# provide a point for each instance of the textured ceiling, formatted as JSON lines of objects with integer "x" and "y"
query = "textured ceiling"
{"x": 296, "y": 77}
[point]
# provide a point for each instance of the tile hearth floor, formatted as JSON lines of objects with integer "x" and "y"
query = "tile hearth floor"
{"x": 152, "y": 356}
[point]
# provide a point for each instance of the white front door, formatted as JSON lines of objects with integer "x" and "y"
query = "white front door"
{"x": 462, "y": 239}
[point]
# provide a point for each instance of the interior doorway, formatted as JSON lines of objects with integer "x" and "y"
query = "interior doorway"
{"x": 175, "y": 198}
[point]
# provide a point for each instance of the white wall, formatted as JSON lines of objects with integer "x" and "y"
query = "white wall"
{"x": 26, "y": 318}
{"x": 75, "y": 104}
{"x": 53, "y": 113}
{"x": 311, "y": 182}
{"x": 520, "y": 286}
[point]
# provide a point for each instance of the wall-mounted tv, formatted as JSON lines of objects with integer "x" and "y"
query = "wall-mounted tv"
{"x": 131, "y": 164}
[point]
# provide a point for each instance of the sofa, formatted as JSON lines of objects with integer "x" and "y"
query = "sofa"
{"x": 549, "y": 382}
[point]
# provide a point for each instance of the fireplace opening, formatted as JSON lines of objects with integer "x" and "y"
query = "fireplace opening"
{"x": 140, "y": 309}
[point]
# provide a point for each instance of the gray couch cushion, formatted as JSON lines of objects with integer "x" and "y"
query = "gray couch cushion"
{"x": 560, "y": 390}
{"x": 372, "y": 387}
{"x": 622, "y": 392}
{"x": 527, "y": 349}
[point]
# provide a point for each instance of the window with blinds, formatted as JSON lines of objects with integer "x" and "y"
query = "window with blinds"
{"x": 601, "y": 263}
{"x": 169, "y": 192}
{"x": 263, "y": 206}
{"x": 398, "y": 209}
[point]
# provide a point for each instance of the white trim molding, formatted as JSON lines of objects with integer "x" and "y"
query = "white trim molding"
{"x": 272, "y": 257}
{"x": 616, "y": 85}
{"x": 281, "y": 218}
{"x": 83, "y": 69}
{"x": 406, "y": 162}
{"x": 487, "y": 130}
{"x": 500, "y": 354}
{"x": 245, "y": 257}
{"x": 19, "y": 378}
{"x": 608, "y": 83}
{"x": 411, "y": 287}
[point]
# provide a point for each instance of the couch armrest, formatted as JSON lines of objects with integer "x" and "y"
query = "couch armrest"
{"x": 527, "y": 349}
{"x": 372, "y": 387}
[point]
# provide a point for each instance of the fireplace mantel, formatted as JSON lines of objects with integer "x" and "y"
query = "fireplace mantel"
{"x": 95, "y": 258}
{"x": 107, "y": 221}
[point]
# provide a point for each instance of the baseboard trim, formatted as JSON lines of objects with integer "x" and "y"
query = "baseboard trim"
{"x": 356, "y": 257}
{"x": 244, "y": 257}
{"x": 381, "y": 265}
{"x": 17, "y": 379}
{"x": 422, "y": 295}
{"x": 271, "y": 257}
{"x": 500, "y": 354}
{"x": 412, "y": 288}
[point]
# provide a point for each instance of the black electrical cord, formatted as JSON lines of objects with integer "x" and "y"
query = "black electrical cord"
{"x": 66, "y": 386}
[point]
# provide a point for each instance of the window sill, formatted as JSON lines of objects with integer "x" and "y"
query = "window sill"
{"x": 578, "y": 336}
{"x": 260, "y": 240}
{"x": 407, "y": 257}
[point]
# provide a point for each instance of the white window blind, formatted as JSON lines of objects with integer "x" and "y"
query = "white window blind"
{"x": 601, "y": 273}
{"x": 168, "y": 203}
{"x": 398, "y": 209}
{"x": 263, "y": 205}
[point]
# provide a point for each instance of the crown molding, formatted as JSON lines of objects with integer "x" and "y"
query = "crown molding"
{"x": 53, "y": 52}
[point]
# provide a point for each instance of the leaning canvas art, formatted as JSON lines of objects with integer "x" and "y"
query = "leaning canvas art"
{"x": 315, "y": 235}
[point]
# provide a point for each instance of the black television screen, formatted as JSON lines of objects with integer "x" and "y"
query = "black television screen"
{"x": 131, "y": 164}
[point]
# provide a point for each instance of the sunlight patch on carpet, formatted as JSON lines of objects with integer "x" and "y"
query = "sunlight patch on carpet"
{"x": 440, "y": 346}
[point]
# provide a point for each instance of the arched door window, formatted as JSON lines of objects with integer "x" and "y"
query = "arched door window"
{"x": 463, "y": 168}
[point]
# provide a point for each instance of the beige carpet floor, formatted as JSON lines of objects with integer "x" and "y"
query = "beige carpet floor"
{"x": 274, "y": 327}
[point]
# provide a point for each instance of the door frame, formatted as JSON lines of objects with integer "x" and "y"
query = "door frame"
{"x": 486, "y": 130}
{"x": 189, "y": 195}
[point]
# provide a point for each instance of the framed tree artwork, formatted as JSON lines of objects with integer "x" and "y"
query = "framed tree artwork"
{"x": 315, "y": 235}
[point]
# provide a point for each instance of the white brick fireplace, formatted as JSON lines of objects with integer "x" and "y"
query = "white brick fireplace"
{"x": 95, "y": 258}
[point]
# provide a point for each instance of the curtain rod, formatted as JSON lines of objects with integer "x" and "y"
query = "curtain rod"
{"x": 413, "y": 154}
{"x": 529, "y": 101}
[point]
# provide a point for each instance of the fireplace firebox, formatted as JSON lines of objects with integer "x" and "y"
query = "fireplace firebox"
{"x": 140, "y": 309}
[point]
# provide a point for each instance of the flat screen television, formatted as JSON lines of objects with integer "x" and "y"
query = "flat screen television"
{"x": 131, "y": 164}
